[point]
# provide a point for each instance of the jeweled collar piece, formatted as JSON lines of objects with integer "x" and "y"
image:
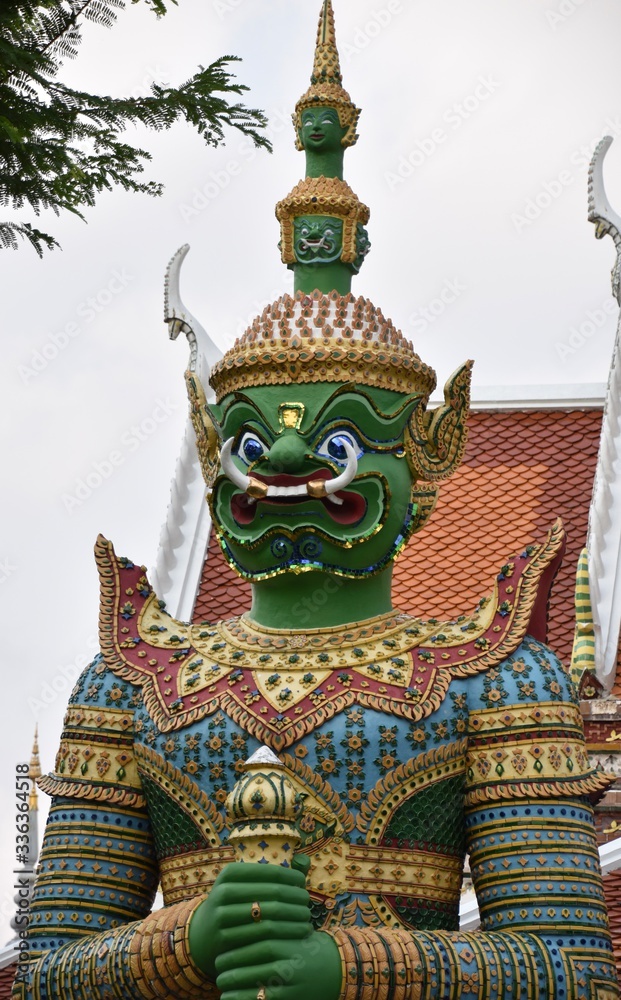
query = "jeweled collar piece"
{"x": 281, "y": 685}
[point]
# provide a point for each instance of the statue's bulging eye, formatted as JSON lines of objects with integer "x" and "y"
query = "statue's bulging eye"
{"x": 251, "y": 448}
{"x": 333, "y": 446}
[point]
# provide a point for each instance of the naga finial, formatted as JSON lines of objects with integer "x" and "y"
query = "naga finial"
{"x": 179, "y": 319}
{"x": 605, "y": 219}
{"x": 583, "y": 653}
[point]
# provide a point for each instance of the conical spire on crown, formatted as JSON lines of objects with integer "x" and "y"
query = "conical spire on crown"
{"x": 326, "y": 68}
{"x": 322, "y": 234}
{"x": 326, "y": 89}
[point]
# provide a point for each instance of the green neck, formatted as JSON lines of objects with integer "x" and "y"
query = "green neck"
{"x": 319, "y": 600}
{"x": 323, "y": 163}
{"x": 326, "y": 278}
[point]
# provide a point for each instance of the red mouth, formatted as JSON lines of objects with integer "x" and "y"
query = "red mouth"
{"x": 350, "y": 511}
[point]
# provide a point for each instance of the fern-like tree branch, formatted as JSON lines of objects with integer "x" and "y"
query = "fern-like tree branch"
{"x": 60, "y": 147}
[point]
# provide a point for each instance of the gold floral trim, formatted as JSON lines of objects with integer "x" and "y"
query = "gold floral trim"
{"x": 103, "y": 761}
{"x": 526, "y": 717}
{"x": 85, "y": 717}
{"x": 95, "y": 758}
{"x": 283, "y": 731}
{"x": 290, "y": 362}
{"x": 388, "y": 793}
{"x": 593, "y": 786}
{"x": 109, "y": 638}
{"x": 182, "y": 790}
{"x": 539, "y": 748}
{"x": 553, "y": 758}
{"x": 353, "y": 647}
{"x": 246, "y": 634}
{"x": 193, "y": 873}
{"x": 207, "y": 441}
{"x": 52, "y": 785}
{"x": 376, "y": 872}
{"x": 329, "y": 806}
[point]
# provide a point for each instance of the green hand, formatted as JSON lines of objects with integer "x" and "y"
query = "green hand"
{"x": 309, "y": 969}
{"x": 223, "y": 922}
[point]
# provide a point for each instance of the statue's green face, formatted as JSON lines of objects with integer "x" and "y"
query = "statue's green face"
{"x": 317, "y": 239}
{"x": 293, "y": 440}
{"x": 321, "y": 130}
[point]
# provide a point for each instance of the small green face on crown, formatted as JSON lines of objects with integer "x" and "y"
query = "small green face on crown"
{"x": 363, "y": 246}
{"x": 294, "y": 450}
{"x": 321, "y": 130}
{"x": 318, "y": 239}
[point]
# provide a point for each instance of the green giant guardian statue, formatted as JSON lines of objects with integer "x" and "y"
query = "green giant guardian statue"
{"x": 306, "y": 792}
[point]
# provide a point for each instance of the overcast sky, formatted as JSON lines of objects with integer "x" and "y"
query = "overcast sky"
{"x": 478, "y": 123}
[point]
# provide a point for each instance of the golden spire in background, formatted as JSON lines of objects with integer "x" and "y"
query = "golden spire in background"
{"x": 34, "y": 772}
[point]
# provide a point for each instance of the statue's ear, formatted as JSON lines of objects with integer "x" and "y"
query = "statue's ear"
{"x": 424, "y": 497}
{"x": 435, "y": 439}
{"x": 206, "y": 427}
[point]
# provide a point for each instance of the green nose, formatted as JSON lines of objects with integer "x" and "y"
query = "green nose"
{"x": 288, "y": 452}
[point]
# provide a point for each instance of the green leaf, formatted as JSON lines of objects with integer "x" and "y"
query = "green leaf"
{"x": 61, "y": 147}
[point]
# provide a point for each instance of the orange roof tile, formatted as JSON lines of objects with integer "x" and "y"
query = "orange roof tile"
{"x": 222, "y": 594}
{"x": 7, "y": 975}
{"x": 520, "y": 471}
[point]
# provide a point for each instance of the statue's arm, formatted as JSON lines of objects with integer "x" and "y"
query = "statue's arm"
{"x": 544, "y": 931}
{"x": 91, "y": 933}
{"x": 533, "y": 855}
{"x": 532, "y": 844}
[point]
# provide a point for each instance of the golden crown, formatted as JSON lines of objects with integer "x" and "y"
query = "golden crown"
{"x": 322, "y": 338}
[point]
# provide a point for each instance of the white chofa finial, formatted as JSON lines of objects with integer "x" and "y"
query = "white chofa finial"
{"x": 605, "y": 219}
{"x": 179, "y": 319}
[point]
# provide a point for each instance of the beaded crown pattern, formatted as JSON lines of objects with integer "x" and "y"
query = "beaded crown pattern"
{"x": 322, "y": 338}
